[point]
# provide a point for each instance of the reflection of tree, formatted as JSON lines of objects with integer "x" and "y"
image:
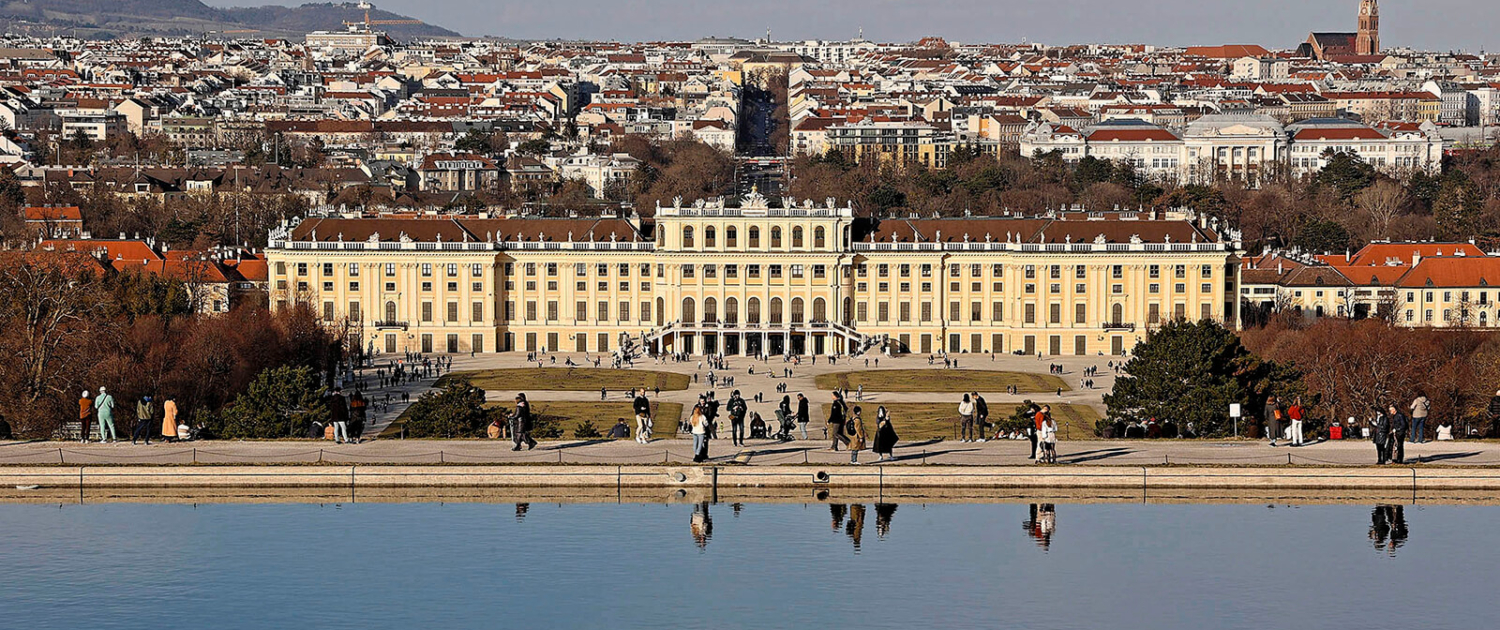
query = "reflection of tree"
{"x": 1042, "y": 523}
{"x": 521, "y": 509}
{"x": 1388, "y": 528}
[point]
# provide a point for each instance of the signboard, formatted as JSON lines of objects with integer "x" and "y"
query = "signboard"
{"x": 1234, "y": 410}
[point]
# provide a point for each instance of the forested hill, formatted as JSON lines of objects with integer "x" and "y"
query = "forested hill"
{"x": 109, "y": 19}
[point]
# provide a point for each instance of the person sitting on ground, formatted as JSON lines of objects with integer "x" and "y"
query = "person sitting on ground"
{"x": 1444, "y": 432}
{"x": 619, "y": 430}
{"x": 757, "y": 426}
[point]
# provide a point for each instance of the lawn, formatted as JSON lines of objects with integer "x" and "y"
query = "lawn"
{"x": 941, "y": 380}
{"x": 566, "y": 415}
{"x": 571, "y": 379}
{"x": 926, "y": 421}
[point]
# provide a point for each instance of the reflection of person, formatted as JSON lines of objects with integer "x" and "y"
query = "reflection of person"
{"x": 1042, "y": 523}
{"x": 836, "y": 512}
{"x": 855, "y": 528}
{"x": 1388, "y": 528}
{"x": 883, "y": 514}
{"x": 521, "y": 509}
{"x": 702, "y": 525}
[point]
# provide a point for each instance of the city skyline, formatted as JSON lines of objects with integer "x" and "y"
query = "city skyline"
{"x": 1276, "y": 24}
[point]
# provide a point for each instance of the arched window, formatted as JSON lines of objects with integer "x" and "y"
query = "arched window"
{"x": 797, "y": 237}
{"x": 710, "y": 311}
{"x": 754, "y": 237}
{"x": 1484, "y": 319}
{"x": 848, "y": 314}
{"x": 775, "y": 237}
{"x": 687, "y": 236}
{"x": 796, "y": 310}
{"x": 1117, "y": 314}
{"x": 820, "y": 311}
{"x": 731, "y": 237}
{"x": 661, "y": 238}
{"x": 820, "y": 237}
{"x": 661, "y": 311}
{"x": 731, "y": 310}
{"x": 709, "y": 236}
{"x": 752, "y": 311}
{"x": 775, "y": 310}
{"x": 689, "y": 315}
{"x": 390, "y": 311}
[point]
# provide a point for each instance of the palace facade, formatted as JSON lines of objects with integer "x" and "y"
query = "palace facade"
{"x": 801, "y": 279}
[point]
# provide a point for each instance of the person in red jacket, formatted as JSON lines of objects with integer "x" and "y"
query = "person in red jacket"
{"x": 1295, "y": 412}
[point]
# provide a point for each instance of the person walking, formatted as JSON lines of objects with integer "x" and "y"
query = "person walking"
{"x": 1273, "y": 419}
{"x": 1049, "y": 436}
{"x": 338, "y": 413}
{"x": 642, "y": 408}
{"x": 521, "y": 424}
{"x": 836, "y": 419}
{"x": 104, "y": 405}
{"x": 857, "y": 433}
{"x": 698, "y": 423}
{"x": 966, "y": 419}
{"x": 737, "y": 412}
{"x": 86, "y": 415}
{"x": 1379, "y": 432}
{"x": 1294, "y": 413}
{"x": 802, "y": 414}
{"x": 885, "y": 435}
{"x": 981, "y": 415}
{"x": 711, "y": 412}
{"x": 1419, "y": 409}
{"x": 1397, "y": 437}
{"x": 169, "y": 419}
{"x": 357, "y": 407}
{"x": 145, "y": 411}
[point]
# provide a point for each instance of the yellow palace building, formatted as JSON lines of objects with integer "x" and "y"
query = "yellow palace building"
{"x": 803, "y": 278}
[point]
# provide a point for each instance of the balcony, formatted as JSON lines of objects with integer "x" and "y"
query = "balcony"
{"x": 387, "y": 325}
{"x": 1119, "y": 326}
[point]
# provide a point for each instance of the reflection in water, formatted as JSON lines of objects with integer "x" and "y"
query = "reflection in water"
{"x": 837, "y": 512}
{"x": 521, "y": 509}
{"x": 703, "y": 525}
{"x": 855, "y": 528}
{"x": 883, "y": 514}
{"x": 1041, "y": 524}
{"x": 1388, "y": 528}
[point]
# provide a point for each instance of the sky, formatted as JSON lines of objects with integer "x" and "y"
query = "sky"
{"x": 1425, "y": 24}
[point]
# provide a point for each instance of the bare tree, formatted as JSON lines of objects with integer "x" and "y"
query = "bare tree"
{"x": 1382, "y": 201}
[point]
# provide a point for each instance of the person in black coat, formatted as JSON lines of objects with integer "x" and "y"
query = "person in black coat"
{"x": 1379, "y": 431}
{"x": 802, "y": 416}
{"x": 981, "y": 414}
{"x": 521, "y": 424}
{"x": 1397, "y": 441}
{"x": 836, "y": 418}
{"x": 885, "y": 435}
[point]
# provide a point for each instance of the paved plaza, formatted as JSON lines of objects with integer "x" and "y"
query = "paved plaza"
{"x": 756, "y": 452}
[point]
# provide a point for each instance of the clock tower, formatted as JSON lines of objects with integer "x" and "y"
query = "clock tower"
{"x": 1367, "y": 41}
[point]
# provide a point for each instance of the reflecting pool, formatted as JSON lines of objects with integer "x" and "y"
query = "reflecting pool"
{"x": 849, "y": 564}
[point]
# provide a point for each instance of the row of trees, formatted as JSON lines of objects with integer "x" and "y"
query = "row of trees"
{"x": 1191, "y": 372}
{"x": 66, "y": 326}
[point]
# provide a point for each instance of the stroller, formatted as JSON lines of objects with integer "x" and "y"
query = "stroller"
{"x": 787, "y": 424}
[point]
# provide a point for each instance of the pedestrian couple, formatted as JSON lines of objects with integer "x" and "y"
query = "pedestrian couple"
{"x": 973, "y": 417}
{"x": 1389, "y": 435}
{"x": 1278, "y": 416}
{"x": 1043, "y": 434}
{"x": 643, "y": 423}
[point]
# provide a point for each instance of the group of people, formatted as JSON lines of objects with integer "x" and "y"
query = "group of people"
{"x": 346, "y": 416}
{"x": 849, "y": 429}
{"x": 101, "y": 408}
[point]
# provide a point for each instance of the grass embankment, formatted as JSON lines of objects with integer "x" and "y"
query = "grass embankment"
{"x": 941, "y": 380}
{"x": 569, "y": 379}
{"x": 927, "y": 421}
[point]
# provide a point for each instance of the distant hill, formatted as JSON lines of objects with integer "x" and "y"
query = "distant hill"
{"x": 136, "y": 18}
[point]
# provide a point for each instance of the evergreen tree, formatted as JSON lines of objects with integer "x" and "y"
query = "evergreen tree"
{"x": 456, "y": 410}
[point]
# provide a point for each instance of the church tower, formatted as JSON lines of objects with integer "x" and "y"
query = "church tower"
{"x": 1367, "y": 42}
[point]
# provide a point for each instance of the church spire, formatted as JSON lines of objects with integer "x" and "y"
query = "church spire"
{"x": 1367, "y": 41}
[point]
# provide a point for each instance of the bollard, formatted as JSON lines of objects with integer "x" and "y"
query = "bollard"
{"x": 195, "y": 454}
{"x": 924, "y": 456}
{"x": 440, "y": 457}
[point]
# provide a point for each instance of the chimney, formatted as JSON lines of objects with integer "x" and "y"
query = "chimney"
{"x": 1416, "y": 257}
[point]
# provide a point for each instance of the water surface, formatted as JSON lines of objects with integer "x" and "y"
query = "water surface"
{"x": 857, "y": 565}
